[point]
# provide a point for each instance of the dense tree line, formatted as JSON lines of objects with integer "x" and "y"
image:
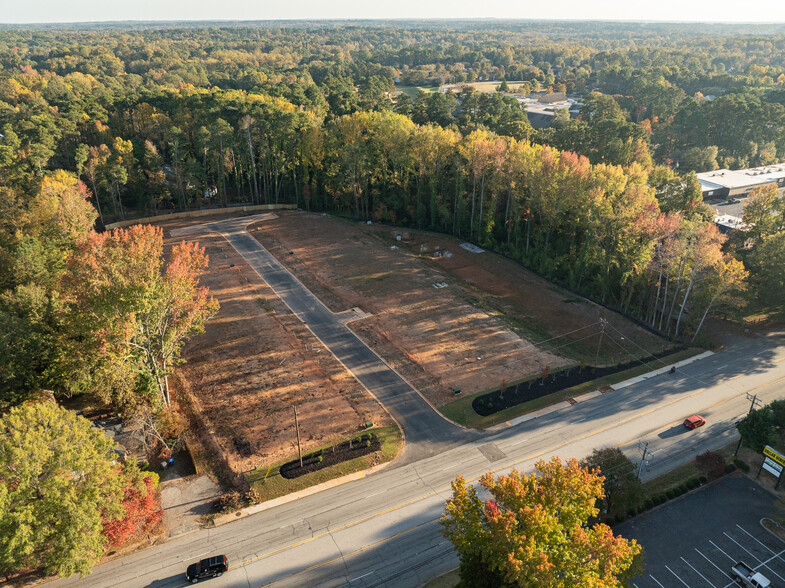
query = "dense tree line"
{"x": 160, "y": 119}
{"x": 99, "y": 124}
{"x": 584, "y": 203}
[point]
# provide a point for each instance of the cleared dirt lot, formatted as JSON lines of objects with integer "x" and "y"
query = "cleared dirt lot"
{"x": 255, "y": 361}
{"x": 465, "y": 335}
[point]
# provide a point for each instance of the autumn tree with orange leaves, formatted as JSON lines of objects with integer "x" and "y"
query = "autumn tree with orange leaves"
{"x": 532, "y": 531}
{"x": 137, "y": 310}
{"x": 141, "y": 507}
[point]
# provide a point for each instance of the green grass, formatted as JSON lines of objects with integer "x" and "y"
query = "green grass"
{"x": 461, "y": 410}
{"x": 681, "y": 474}
{"x": 411, "y": 91}
{"x": 275, "y": 485}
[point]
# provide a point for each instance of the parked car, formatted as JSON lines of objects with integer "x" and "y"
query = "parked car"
{"x": 694, "y": 421}
{"x": 746, "y": 576}
{"x": 207, "y": 568}
{"x": 732, "y": 201}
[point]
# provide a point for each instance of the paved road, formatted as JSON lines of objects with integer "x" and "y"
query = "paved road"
{"x": 426, "y": 431}
{"x": 383, "y": 530}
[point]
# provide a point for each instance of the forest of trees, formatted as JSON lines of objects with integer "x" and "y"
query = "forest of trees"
{"x": 114, "y": 122}
{"x": 154, "y": 119}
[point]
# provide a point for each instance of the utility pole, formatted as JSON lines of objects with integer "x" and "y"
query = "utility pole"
{"x": 753, "y": 403}
{"x": 604, "y": 324}
{"x": 297, "y": 427}
{"x": 644, "y": 447}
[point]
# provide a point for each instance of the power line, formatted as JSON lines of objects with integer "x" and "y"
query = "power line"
{"x": 568, "y": 333}
{"x": 552, "y": 349}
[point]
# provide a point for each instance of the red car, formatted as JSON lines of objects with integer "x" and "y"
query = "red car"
{"x": 694, "y": 421}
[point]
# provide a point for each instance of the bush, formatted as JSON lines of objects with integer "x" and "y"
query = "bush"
{"x": 619, "y": 518}
{"x": 229, "y": 501}
{"x": 702, "y": 479}
{"x": 648, "y": 503}
{"x": 693, "y": 483}
{"x": 670, "y": 493}
{"x": 662, "y": 498}
{"x": 742, "y": 465}
{"x": 683, "y": 488}
{"x": 631, "y": 512}
{"x": 730, "y": 467}
{"x": 253, "y": 496}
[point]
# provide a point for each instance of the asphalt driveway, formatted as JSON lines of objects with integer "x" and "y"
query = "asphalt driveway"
{"x": 426, "y": 431}
{"x": 695, "y": 539}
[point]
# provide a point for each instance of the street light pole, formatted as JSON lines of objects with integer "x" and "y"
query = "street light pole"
{"x": 753, "y": 403}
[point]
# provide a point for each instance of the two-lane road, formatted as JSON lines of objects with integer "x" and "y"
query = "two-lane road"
{"x": 383, "y": 530}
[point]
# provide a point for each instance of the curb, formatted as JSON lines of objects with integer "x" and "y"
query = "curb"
{"x": 662, "y": 370}
{"x": 268, "y": 504}
{"x": 589, "y": 395}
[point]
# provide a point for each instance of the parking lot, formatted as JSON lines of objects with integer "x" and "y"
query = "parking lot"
{"x": 694, "y": 540}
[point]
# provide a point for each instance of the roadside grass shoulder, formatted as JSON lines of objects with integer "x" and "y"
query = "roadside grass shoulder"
{"x": 269, "y": 483}
{"x": 461, "y": 410}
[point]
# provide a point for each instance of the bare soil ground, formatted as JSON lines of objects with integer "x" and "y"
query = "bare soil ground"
{"x": 471, "y": 334}
{"x": 255, "y": 361}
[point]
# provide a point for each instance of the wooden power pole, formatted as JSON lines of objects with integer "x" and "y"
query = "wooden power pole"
{"x": 297, "y": 427}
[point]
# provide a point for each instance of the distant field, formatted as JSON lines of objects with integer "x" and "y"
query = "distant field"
{"x": 411, "y": 91}
{"x": 484, "y": 86}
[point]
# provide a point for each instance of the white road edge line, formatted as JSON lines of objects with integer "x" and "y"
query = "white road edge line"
{"x": 655, "y": 579}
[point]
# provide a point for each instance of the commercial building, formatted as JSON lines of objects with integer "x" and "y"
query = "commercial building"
{"x": 723, "y": 184}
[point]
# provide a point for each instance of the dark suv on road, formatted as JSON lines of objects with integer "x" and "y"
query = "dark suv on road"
{"x": 207, "y": 568}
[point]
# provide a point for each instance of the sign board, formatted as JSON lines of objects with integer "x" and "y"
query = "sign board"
{"x": 770, "y": 453}
{"x": 772, "y": 467}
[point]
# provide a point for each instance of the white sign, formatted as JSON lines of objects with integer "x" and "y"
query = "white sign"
{"x": 772, "y": 466}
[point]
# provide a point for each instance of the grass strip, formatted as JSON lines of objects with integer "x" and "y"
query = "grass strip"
{"x": 461, "y": 410}
{"x": 269, "y": 483}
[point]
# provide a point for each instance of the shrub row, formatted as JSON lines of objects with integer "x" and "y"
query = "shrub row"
{"x": 675, "y": 492}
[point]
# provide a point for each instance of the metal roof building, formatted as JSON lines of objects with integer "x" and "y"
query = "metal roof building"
{"x": 725, "y": 183}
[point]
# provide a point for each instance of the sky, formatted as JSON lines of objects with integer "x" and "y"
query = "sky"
{"x": 53, "y": 11}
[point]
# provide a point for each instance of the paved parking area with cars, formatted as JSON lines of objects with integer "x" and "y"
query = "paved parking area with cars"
{"x": 694, "y": 540}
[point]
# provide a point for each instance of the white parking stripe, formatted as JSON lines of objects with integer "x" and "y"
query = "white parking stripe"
{"x": 677, "y": 577}
{"x": 655, "y": 579}
{"x": 744, "y": 548}
{"x": 761, "y": 563}
{"x": 773, "y": 557}
{"x": 697, "y": 572}
{"x": 721, "y": 551}
{"x": 715, "y": 565}
{"x": 766, "y": 547}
